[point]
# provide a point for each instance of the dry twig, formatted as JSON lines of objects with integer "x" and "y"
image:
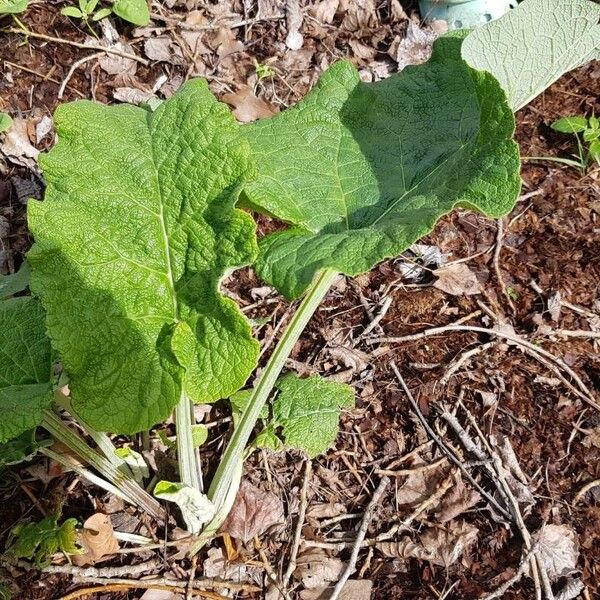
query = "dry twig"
{"x": 301, "y": 517}
{"x": 362, "y": 532}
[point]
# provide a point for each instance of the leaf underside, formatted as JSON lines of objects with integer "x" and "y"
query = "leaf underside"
{"x": 25, "y": 366}
{"x": 137, "y": 229}
{"x": 362, "y": 171}
{"x": 308, "y": 411}
{"x": 533, "y": 45}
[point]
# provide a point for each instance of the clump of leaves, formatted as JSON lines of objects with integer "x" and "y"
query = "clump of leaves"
{"x": 587, "y": 134}
{"x": 85, "y": 11}
{"x": 39, "y": 541}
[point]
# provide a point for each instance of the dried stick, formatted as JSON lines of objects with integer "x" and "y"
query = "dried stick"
{"x": 362, "y": 532}
{"x": 74, "y": 67}
{"x": 301, "y": 517}
{"x": 84, "y": 46}
{"x": 443, "y": 446}
{"x": 418, "y": 469}
{"x": 124, "y": 587}
{"x": 105, "y": 572}
{"x": 466, "y": 357}
{"x": 199, "y": 584}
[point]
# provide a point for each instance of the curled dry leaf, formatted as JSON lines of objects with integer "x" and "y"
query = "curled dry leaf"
{"x": 247, "y": 107}
{"x": 457, "y": 500}
{"x": 421, "y": 484}
{"x": 293, "y": 16}
{"x": 17, "y": 146}
{"x": 316, "y": 569}
{"x": 325, "y": 510}
{"x": 558, "y": 549}
{"x": 415, "y": 47}
{"x": 439, "y": 545}
{"x": 457, "y": 279}
{"x": 253, "y": 512}
{"x": 97, "y": 540}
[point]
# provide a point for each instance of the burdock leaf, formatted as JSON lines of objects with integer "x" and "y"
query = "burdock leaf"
{"x": 530, "y": 47}
{"x": 362, "y": 171}
{"x": 25, "y": 366}
{"x": 135, "y": 234}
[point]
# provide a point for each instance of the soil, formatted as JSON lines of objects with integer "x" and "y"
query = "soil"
{"x": 551, "y": 244}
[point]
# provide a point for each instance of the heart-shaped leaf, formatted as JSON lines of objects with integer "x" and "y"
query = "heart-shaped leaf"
{"x": 365, "y": 170}
{"x": 137, "y": 229}
{"x": 530, "y": 47}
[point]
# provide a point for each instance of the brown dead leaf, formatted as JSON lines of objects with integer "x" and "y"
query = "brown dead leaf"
{"x": 247, "y": 107}
{"x": 457, "y": 279}
{"x": 324, "y": 11}
{"x": 315, "y": 568}
{"x": 160, "y": 595}
{"x": 558, "y": 549}
{"x": 420, "y": 485}
{"x": 162, "y": 49}
{"x": 216, "y": 565}
{"x": 253, "y": 512}
{"x": 354, "y": 589}
{"x": 445, "y": 545}
{"x": 325, "y": 510}
{"x": 456, "y": 501}
{"x": 351, "y": 358}
{"x": 97, "y": 539}
{"x": 403, "y": 549}
{"x": 415, "y": 47}
{"x": 592, "y": 438}
{"x": 17, "y": 146}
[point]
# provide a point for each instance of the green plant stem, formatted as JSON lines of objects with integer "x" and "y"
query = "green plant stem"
{"x": 102, "y": 440}
{"x": 187, "y": 456}
{"x": 556, "y": 159}
{"x": 117, "y": 478}
{"x": 225, "y": 482}
{"x": 85, "y": 473}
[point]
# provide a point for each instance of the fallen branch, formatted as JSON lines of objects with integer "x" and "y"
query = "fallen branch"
{"x": 84, "y": 46}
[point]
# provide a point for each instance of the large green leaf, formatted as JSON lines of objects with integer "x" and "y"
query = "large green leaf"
{"x": 25, "y": 366}
{"x": 364, "y": 170}
{"x": 532, "y": 46}
{"x": 137, "y": 229}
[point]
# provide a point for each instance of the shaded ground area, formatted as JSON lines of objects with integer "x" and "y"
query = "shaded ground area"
{"x": 538, "y": 281}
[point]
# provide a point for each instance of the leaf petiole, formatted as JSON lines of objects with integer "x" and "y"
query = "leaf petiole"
{"x": 188, "y": 456}
{"x": 227, "y": 478}
{"x": 116, "y": 477}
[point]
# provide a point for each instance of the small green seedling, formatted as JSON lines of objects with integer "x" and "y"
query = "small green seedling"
{"x": 263, "y": 71}
{"x": 85, "y": 12}
{"x": 11, "y": 7}
{"x": 587, "y": 134}
{"x": 133, "y": 11}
